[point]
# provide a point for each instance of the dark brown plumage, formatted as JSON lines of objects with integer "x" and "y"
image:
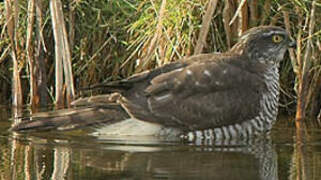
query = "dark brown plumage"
{"x": 222, "y": 95}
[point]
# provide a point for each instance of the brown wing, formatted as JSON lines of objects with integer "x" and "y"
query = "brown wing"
{"x": 204, "y": 94}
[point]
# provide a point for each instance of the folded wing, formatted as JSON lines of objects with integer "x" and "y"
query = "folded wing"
{"x": 201, "y": 95}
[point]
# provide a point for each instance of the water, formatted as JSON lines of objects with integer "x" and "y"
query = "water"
{"x": 71, "y": 156}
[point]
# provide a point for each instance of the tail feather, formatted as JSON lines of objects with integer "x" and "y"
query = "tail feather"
{"x": 70, "y": 119}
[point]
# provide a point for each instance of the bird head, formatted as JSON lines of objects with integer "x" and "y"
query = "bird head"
{"x": 265, "y": 44}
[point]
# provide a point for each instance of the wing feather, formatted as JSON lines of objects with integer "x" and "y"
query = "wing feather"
{"x": 204, "y": 94}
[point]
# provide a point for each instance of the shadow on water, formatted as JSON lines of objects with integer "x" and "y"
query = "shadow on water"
{"x": 69, "y": 156}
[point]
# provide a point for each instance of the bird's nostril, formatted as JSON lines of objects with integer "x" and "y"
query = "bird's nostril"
{"x": 292, "y": 44}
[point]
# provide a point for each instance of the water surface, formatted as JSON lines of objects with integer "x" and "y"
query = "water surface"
{"x": 71, "y": 156}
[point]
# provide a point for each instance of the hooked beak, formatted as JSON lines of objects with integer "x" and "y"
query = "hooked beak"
{"x": 292, "y": 44}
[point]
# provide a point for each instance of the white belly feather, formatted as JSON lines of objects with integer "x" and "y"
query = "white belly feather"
{"x": 134, "y": 127}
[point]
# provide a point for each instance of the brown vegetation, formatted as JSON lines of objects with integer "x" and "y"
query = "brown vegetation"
{"x": 47, "y": 47}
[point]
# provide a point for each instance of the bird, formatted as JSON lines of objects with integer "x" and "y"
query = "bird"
{"x": 226, "y": 95}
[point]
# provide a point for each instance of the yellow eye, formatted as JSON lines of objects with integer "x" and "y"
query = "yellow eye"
{"x": 277, "y": 38}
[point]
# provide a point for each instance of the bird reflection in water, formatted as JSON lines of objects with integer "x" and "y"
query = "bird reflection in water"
{"x": 146, "y": 158}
